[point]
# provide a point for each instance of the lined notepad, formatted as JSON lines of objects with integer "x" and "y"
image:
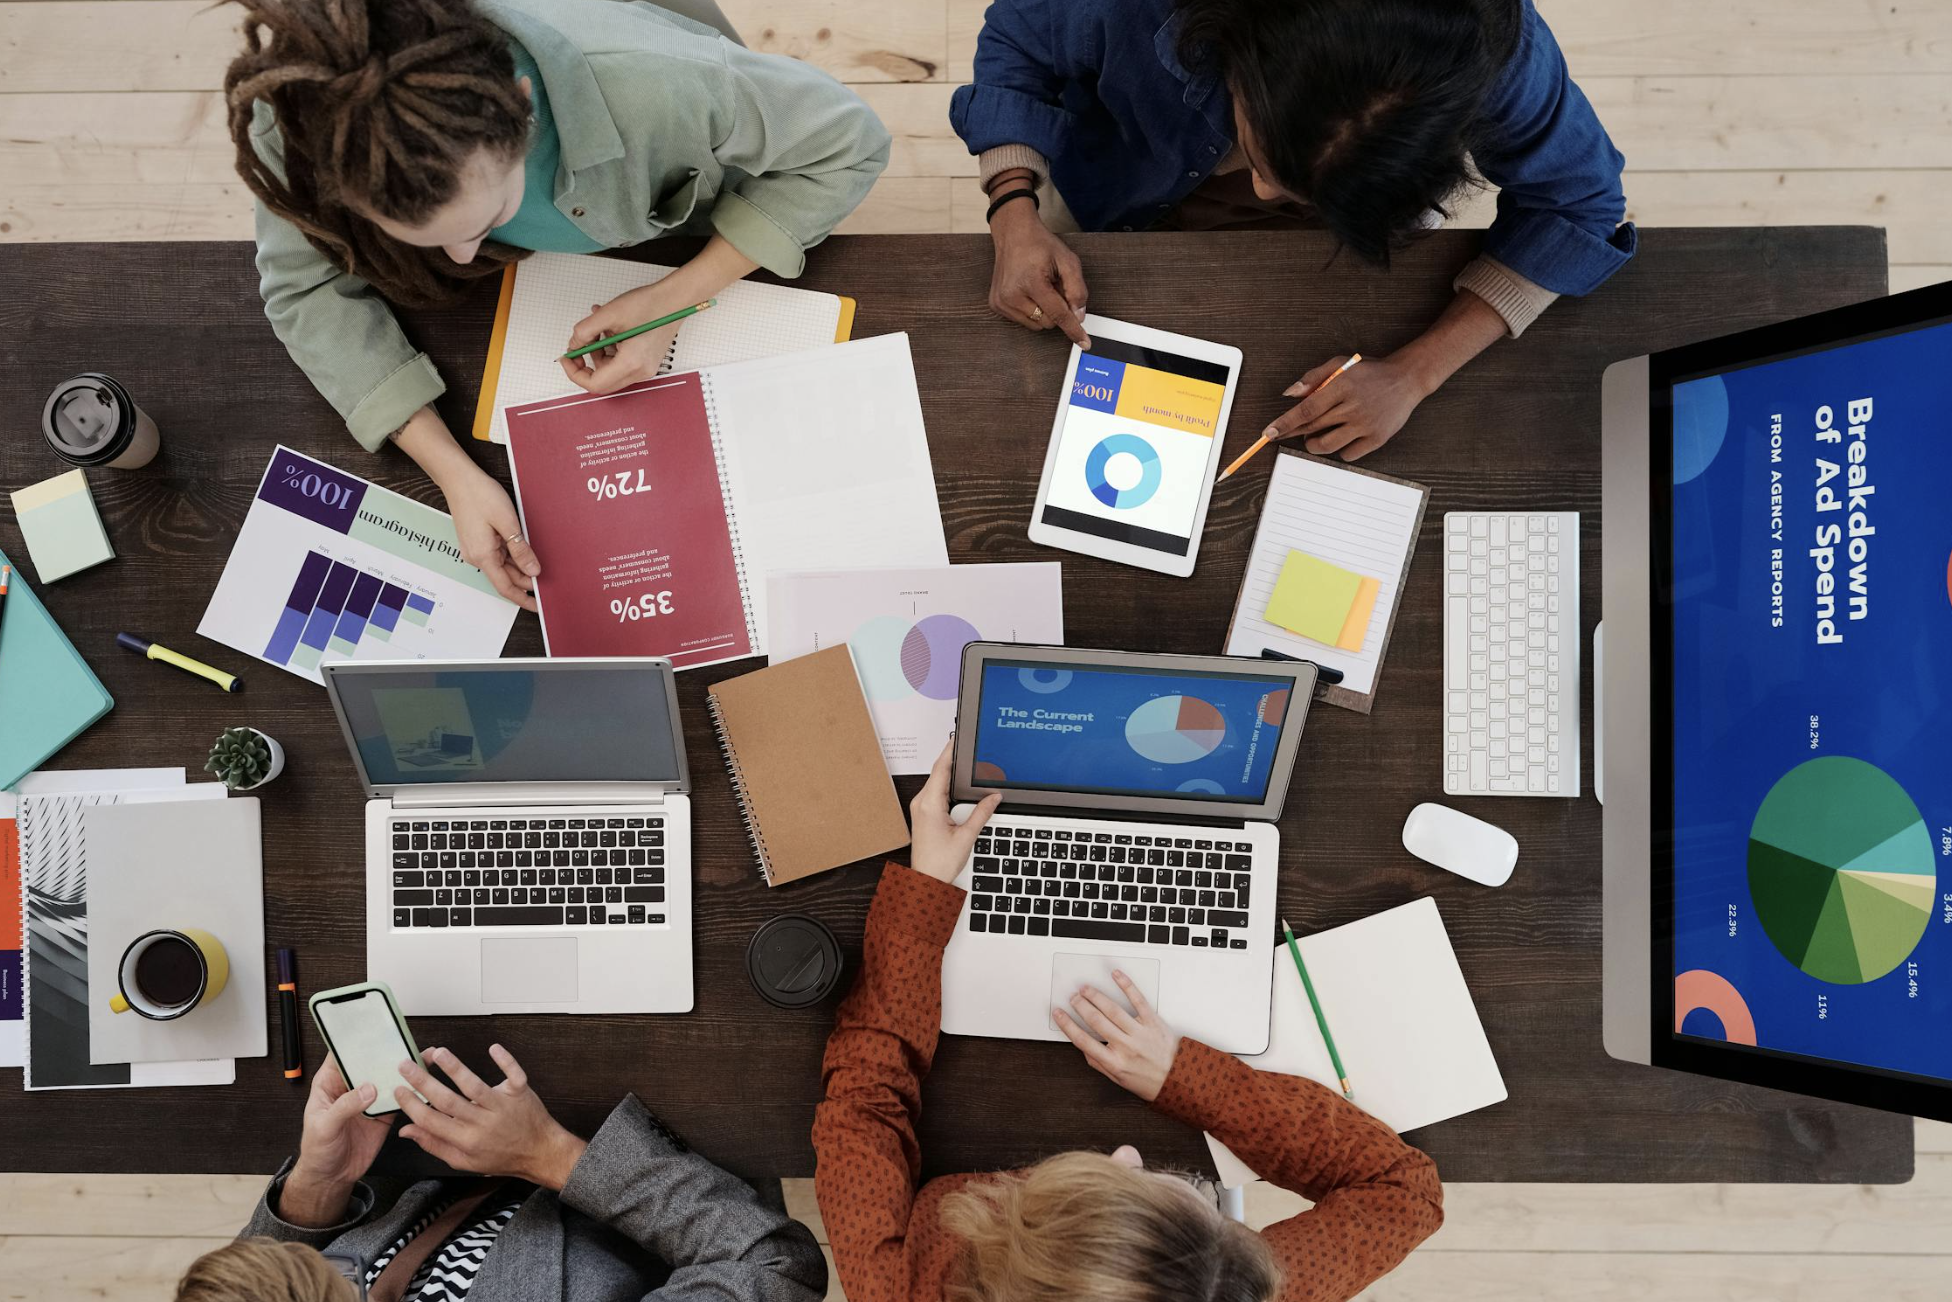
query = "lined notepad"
{"x": 545, "y": 295}
{"x": 1358, "y": 520}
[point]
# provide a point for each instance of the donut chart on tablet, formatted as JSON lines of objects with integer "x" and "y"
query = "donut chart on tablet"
{"x": 1123, "y": 471}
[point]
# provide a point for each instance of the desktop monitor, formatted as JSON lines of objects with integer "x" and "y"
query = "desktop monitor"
{"x": 1775, "y": 705}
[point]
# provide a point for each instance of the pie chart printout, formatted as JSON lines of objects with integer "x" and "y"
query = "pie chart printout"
{"x": 1841, "y": 870}
{"x": 1175, "y": 729}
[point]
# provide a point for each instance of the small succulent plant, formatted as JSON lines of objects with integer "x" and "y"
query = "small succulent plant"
{"x": 241, "y": 758}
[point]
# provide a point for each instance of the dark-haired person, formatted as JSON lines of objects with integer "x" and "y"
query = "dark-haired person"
{"x": 626, "y": 1215}
{"x": 1081, "y": 1226}
{"x": 399, "y": 149}
{"x": 1362, "y": 116}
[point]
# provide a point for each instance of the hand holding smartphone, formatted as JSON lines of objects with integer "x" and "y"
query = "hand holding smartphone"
{"x": 368, "y": 1037}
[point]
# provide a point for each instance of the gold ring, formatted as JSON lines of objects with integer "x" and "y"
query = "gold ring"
{"x": 513, "y": 538}
{"x": 1036, "y": 313}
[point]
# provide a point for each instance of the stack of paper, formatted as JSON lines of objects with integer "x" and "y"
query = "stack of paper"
{"x": 58, "y": 994}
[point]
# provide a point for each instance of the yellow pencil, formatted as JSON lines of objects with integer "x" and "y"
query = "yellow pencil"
{"x": 1261, "y": 442}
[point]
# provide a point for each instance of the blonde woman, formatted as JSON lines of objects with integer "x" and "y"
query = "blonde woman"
{"x": 1083, "y": 1227}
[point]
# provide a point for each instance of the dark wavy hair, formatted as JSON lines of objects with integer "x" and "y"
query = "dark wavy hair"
{"x": 381, "y": 104}
{"x": 1367, "y": 109}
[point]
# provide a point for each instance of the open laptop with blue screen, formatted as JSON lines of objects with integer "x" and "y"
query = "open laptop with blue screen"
{"x": 1136, "y": 831}
{"x": 528, "y": 836}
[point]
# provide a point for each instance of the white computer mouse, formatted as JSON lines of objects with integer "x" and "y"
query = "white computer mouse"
{"x": 1469, "y": 847}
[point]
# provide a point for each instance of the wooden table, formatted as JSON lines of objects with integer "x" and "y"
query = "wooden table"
{"x": 181, "y": 325}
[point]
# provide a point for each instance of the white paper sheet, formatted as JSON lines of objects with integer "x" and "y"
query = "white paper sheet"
{"x": 1358, "y": 522}
{"x": 187, "y": 863}
{"x": 553, "y": 291}
{"x": 1402, "y": 1018}
{"x": 908, "y": 628}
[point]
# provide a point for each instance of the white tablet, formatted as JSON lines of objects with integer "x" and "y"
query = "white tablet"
{"x": 1135, "y": 445}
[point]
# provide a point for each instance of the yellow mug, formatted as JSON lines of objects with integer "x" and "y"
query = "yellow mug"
{"x": 166, "y": 973}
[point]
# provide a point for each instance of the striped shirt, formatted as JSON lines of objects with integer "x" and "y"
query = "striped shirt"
{"x": 447, "y": 1275}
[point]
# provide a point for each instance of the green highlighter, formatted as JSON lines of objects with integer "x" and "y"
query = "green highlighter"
{"x": 1294, "y": 951}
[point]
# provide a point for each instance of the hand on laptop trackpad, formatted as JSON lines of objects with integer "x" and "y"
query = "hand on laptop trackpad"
{"x": 1072, "y": 972}
{"x": 529, "y": 971}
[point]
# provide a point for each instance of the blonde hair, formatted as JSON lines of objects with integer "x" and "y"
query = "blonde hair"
{"x": 1081, "y": 1227}
{"x": 262, "y": 1270}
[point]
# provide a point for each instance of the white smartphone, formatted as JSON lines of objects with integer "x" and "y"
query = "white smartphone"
{"x": 368, "y": 1038}
{"x": 1135, "y": 445}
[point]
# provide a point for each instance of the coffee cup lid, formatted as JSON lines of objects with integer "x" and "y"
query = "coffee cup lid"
{"x": 793, "y": 960}
{"x": 87, "y": 417}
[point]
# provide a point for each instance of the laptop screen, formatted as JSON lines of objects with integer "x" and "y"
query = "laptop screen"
{"x": 496, "y": 723}
{"x": 1189, "y": 735}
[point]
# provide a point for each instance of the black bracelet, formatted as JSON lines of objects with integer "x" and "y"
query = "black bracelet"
{"x": 1002, "y": 199}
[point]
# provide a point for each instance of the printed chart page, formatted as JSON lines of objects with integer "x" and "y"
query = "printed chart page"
{"x": 329, "y": 566}
{"x": 908, "y": 629}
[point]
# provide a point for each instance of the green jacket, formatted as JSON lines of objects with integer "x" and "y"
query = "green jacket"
{"x": 667, "y": 128}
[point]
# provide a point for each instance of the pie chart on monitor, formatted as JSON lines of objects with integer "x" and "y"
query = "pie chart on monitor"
{"x": 1841, "y": 870}
{"x": 1175, "y": 729}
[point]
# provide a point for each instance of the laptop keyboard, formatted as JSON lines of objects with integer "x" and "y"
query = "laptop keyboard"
{"x": 1143, "y": 888}
{"x": 527, "y": 872}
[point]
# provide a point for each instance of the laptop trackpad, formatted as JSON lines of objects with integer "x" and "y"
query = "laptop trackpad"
{"x": 1070, "y": 972}
{"x": 529, "y": 971}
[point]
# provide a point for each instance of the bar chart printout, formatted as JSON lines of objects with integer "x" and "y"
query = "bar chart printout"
{"x": 331, "y": 567}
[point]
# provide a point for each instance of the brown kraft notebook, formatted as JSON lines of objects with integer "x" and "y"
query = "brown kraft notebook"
{"x": 806, "y": 765}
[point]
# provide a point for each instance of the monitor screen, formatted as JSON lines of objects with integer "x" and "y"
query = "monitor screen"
{"x": 1190, "y": 735}
{"x": 495, "y": 723}
{"x": 1132, "y": 455}
{"x": 1809, "y": 599}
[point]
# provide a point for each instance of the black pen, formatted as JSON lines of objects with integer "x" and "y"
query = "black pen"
{"x": 288, "y": 1013}
{"x": 1324, "y": 674}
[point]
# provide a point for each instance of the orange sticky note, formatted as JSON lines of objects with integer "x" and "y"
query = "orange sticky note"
{"x": 1357, "y": 626}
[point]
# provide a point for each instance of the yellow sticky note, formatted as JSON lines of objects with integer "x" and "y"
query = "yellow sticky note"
{"x": 1357, "y": 625}
{"x": 1312, "y": 597}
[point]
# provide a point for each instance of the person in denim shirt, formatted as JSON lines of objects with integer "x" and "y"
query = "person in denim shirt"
{"x": 1367, "y": 117}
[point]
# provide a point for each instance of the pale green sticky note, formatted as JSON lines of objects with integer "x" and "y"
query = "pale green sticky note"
{"x": 63, "y": 532}
{"x": 1313, "y": 597}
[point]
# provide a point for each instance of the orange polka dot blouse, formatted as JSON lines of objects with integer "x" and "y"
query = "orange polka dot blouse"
{"x": 1375, "y": 1197}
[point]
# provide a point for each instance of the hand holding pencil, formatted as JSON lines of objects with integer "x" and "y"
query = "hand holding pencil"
{"x": 1277, "y": 430}
{"x": 625, "y": 340}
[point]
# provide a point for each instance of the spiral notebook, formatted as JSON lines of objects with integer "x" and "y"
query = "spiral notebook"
{"x": 806, "y": 765}
{"x": 546, "y": 294}
{"x": 658, "y": 511}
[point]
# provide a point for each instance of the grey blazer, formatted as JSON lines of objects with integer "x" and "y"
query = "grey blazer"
{"x": 640, "y": 1218}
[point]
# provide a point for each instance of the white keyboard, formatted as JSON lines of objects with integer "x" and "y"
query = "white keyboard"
{"x": 1511, "y": 654}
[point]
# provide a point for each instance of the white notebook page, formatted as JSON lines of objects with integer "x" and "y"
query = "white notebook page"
{"x": 1358, "y": 522}
{"x": 553, "y": 291}
{"x": 1402, "y": 1017}
{"x": 827, "y": 461}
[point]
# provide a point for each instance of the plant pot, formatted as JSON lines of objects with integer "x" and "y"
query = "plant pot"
{"x": 277, "y": 761}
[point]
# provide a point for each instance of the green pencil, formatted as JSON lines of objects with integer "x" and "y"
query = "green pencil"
{"x": 634, "y": 331}
{"x": 1341, "y": 1072}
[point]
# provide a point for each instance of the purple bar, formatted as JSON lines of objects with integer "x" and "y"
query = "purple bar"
{"x": 358, "y": 607}
{"x": 332, "y": 599}
{"x": 284, "y": 639}
{"x": 424, "y": 605}
{"x": 10, "y": 985}
{"x": 312, "y": 489}
{"x": 386, "y": 611}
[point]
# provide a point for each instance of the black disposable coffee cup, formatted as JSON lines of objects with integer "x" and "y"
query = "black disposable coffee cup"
{"x": 794, "y": 961}
{"x": 92, "y": 421}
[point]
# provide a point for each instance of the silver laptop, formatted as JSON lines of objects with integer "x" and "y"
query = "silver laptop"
{"x": 528, "y": 833}
{"x": 1136, "y": 832}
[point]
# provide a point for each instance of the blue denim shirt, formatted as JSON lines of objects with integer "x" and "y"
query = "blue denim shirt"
{"x": 1096, "y": 87}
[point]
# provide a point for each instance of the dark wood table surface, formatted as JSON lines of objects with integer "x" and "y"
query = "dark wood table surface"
{"x": 182, "y": 327}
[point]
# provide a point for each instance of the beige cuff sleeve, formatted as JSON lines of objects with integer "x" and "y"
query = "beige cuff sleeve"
{"x": 1511, "y": 296}
{"x": 991, "y": 163}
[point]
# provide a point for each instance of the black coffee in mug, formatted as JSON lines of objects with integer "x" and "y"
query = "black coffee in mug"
{"x": 169, "y": 971}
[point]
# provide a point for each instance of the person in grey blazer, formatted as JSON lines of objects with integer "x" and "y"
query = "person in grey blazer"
{"x": 628, "y": 1214}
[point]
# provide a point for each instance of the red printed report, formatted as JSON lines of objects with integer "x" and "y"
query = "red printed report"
{"x": 657, "y": 511}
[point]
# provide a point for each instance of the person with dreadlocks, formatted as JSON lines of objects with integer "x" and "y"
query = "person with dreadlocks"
{"x": 401, "y": 149}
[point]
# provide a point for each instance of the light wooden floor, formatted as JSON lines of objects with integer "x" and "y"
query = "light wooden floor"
{"x": 1735, "y": 112}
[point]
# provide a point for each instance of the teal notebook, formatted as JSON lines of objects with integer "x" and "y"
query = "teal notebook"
{"x": 48, "y": 694}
